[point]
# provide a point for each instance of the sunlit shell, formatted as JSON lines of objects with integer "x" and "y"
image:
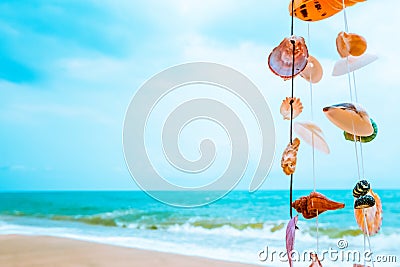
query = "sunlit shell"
{"x": 289, "y": 157}
{"x": 352, "y": 63}
{"x": 350, "y": 44}
{"x": 314, "y": 10}
{"x": 280, "y": 61}
{"x": 314, "y": 204}
{"x": 363, "y": 139}
{"x": 373, "y": 216}
{"x": 285, "y": 107}
{"x": 312, "y": 135}
{"x": 313, "y": 70}
{"x": 351, "y": 118}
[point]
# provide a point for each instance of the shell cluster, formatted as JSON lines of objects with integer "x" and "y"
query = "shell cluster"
{"x": 289, "y": 157}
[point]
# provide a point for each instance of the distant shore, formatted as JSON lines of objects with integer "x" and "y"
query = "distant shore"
{"x": 44, "y": 251}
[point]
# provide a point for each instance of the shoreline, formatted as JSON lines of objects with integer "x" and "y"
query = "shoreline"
{"x": 48, "y": 251}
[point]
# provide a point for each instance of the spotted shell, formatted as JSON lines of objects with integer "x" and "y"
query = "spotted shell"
{"x": 350, "y": 44}
{"x": 361, "y": 188}
{"x": 289, "y": 157}
{"x": 363, "y": 202}
{"x": 314, "y": 10}
{"x": 373, "y": 216}
{"x": 285, "y": 107}
{"x": 280, "y": 60}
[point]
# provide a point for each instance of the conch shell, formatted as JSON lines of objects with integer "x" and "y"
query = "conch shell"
{"x": 285, "y": 107}
{"x": 289, "y": 157}
{"x": 373, "y": 216}
{"x": 314, "y": 10}
{"x": 280, "y": 61}
{"x": 313, "y": 70}
{"x": 350, "y": 44}
{"x": 315, "y": 260}
{"x": 314, "y": 204}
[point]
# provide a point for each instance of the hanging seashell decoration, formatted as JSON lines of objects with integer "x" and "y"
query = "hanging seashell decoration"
{"x": 289, "y": 157}
{"x": 350, "y": 44}
{"x": 285, "y": 107}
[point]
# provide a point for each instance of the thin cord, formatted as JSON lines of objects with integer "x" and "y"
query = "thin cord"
{"x": 291, "y": 108}
{"x": 368, "y": 237}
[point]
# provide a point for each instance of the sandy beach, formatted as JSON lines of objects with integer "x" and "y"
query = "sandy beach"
{"x": 43, "y": 251}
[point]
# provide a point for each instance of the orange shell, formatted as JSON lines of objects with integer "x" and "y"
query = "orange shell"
{"x": 314, "y": 10}
{"x": 285, "y": 107}
{"x": 373, "y": 216}
{"x": 314, "y": 204}
{"x": 289, "y": 157}
{"x": 350, "y": 44}
{"x": 313, "y": 70}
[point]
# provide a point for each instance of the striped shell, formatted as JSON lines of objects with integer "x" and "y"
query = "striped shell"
{"x": 314, "y": 10}
{"x": 361, "y": 188}
{"x": 350, "y": 44}
{"x": 280, "y": 60}
{"x": 363, "y": 202}
{"x": 289, "y": 157}
{"x": 373, "y": 216}
{"x": 285, "y": 107}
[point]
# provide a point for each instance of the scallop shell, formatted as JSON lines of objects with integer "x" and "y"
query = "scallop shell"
{"x": 314, "y": 10}
{"x": 373, "y": 216}
{"x": 289, "y": 157}
{"x": 312, "y": 135}
{"x": 361, "y": 188}
{"x": 351, "y": 63}
{"x": 280, "y": 60}
{"x": 314, "y": 204}
{"x": 351, "y": 118}
{"x": 313, "y": 70}
{"x": 285, "y": 108}
{"x": 363, "y": 139}
{"x": 350, "y": 44}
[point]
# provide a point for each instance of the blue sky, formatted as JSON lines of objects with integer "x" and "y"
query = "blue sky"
{"x": 68, "y": 70}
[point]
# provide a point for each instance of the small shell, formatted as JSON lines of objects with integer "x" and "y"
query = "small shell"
{"x": 351, "y": 118}
{"x": 350, "y": 44}
{"x": 289, "y": 157}
{"x": 290, "y": 237}
{"x": 351, "y": 63}
{"x": 313, "y": 70}
{"x": 363, "y": 202}
{"x": 285, "y": 107}
{"x": 363, "y": 139}
{"x": 373, "y": 216}
{"x": 312, "y": 135}
{"x": 361, "y": 188}
{"x": 280, "y": 60}
{"x": 315, "y": 260}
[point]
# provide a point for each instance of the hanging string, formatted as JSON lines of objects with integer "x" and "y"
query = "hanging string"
{"x": 312, "y": 136}
{"x": 366, "y": 235}
{"x": 291, "y": 108}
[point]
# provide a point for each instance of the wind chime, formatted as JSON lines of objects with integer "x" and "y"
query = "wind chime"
{"x": 291, "y": 58}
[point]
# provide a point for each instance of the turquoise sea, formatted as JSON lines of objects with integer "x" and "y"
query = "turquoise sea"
{"x": 233, "y": 228}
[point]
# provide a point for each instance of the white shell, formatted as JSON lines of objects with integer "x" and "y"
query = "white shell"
{"x": 355, "y": 63}
{"x": 312, "y": 135}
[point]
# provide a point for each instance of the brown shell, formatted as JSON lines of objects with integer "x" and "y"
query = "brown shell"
{"x": 314, "y": 204}
{"x": 350, "y": 44}
{"x": 373, "y": 216}
{"x": 285, "y": 107}
{"x": 289, "y": 157}
{"x": 315, "y": 260}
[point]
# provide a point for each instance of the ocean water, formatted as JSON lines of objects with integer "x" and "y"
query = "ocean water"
{"x": 235, "y": 228}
